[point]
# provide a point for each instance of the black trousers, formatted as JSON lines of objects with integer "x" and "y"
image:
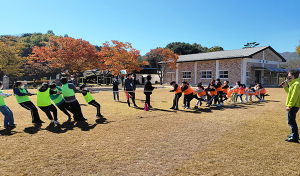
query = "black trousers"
{"x": 176, "y": 99}
{"x": 148, "y": 99}
{"x": 76, "y": 110}
{"x": 34, "y": 111}
{"x": 64, "y": 107}
{"x": 188, "y": 98}
{"x": 48, "y": 110}
{"x": 132, "y": 94}
{"x": 97, "y": 105}
{"x": 211, "y": 98}
{"x": 262, "y": 96}
{"x": 220, "y": 96}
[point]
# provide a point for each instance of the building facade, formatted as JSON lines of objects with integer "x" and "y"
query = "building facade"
{"x": 249, "y": 66}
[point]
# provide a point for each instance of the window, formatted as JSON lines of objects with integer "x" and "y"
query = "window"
{"x": 247, "y": 74}
{"x": 223, "y": 74}
{"x": 206, "y": 74}
{"x": 186, "y": 74}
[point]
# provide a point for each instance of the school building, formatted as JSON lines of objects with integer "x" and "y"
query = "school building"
{"x": 248, "y": 65}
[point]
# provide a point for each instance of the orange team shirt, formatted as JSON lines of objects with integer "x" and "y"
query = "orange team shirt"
{"x": 178, "y": 90}
{"x": 189, "y": 90}
{"x": 219, "y": 89}
{"x": 225, "y": 90}
{"x": 212, "y": 93}
{"x": 229, "y": 93}
{"x": 200, "y": 94}
{"x": 236, "y": 90}
{"x": 263, "y": 91}
{"x": 241, "y": 91}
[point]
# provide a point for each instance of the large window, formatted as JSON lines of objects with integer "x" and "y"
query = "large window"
{"x": 186, "y": 74}
{"x": 206, "y": 74}
{"x": 223, "y": 74}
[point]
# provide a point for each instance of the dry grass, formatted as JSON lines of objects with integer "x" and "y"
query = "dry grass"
{"x": 246, "y": 139}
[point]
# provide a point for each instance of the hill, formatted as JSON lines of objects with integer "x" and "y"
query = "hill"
{"x": 290, "y": 56}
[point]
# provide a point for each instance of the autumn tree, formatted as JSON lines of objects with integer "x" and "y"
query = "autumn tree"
{"x": 69, "y": 54}
{"x": 10, "y": 57}
{"x": 162, "y": 59}
{"x": 121, "y": 56}
{"x": 298, "y": 49}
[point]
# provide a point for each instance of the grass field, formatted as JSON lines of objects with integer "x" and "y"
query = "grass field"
{"x": 242, "y": 139}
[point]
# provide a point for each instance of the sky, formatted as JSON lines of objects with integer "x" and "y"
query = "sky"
{"x": 156, "y": 23}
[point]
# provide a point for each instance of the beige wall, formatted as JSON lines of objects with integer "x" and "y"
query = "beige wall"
{"x": 234, "y": 69}
{"x": 186, "y": 66}
{"x": 268, "y": 56}
{"x": 206, "y": 65}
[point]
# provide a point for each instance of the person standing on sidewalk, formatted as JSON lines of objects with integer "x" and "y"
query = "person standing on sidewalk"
{"x": 292, "y": 103}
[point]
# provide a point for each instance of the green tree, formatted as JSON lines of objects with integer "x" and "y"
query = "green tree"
{"x": 181, "y": 48}
{"x": 291, "y": 64}
{"x": 251, "y": 45}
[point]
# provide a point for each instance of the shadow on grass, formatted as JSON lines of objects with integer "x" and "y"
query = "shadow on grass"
{"x": 56, "y": 128}
{"x": 84, "y": 126}
{"x": 34, "y": 129}
{"x": 7, "y": 132}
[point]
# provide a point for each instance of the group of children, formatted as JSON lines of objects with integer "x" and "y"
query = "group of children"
{"x": 63, "y": 97}
{"x": 217, "y": 92}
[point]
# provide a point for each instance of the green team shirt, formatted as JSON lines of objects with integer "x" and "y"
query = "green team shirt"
{"x": 2, "y": 102}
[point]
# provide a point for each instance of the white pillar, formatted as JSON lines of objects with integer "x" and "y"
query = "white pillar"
{"x": 244, "y": 70}
{"x": 263, "y": 64}
{"x": 177, "y": 65}
{"x": 217, "y": 69}
{"x": 195, "y": 72}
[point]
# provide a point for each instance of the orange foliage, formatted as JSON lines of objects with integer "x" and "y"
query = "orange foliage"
{"x": 121, "y": 56}
{"x": 165, "y": 56}
{"x": 73, "y": 55}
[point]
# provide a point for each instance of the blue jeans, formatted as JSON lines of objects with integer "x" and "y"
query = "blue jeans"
{"x": 116, "y": 93}
{"x": 8, "y": 115}
{"x": 291, "y": 118}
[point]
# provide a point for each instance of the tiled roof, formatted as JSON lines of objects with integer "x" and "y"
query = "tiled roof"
{"x": 229, "y": 54}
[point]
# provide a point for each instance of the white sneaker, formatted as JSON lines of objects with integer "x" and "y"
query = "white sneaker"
{"x": 241, "y": 102}
{"x": 232, "y": 102}
{"x": 56, "y": 122}
{"x": 183, "y": 105}
{"x": 187, "y": 108}
{"x": 52, "y": 121}
{"x": 221, "y": 104}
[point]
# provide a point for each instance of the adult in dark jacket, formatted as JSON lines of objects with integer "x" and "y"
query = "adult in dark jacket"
{"x": 148, "y": 88}
{"x": 115, "y": 89}
{"x": 129, "y": 88}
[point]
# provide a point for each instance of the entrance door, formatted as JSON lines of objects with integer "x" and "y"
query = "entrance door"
{"x": 257, "y": 76}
